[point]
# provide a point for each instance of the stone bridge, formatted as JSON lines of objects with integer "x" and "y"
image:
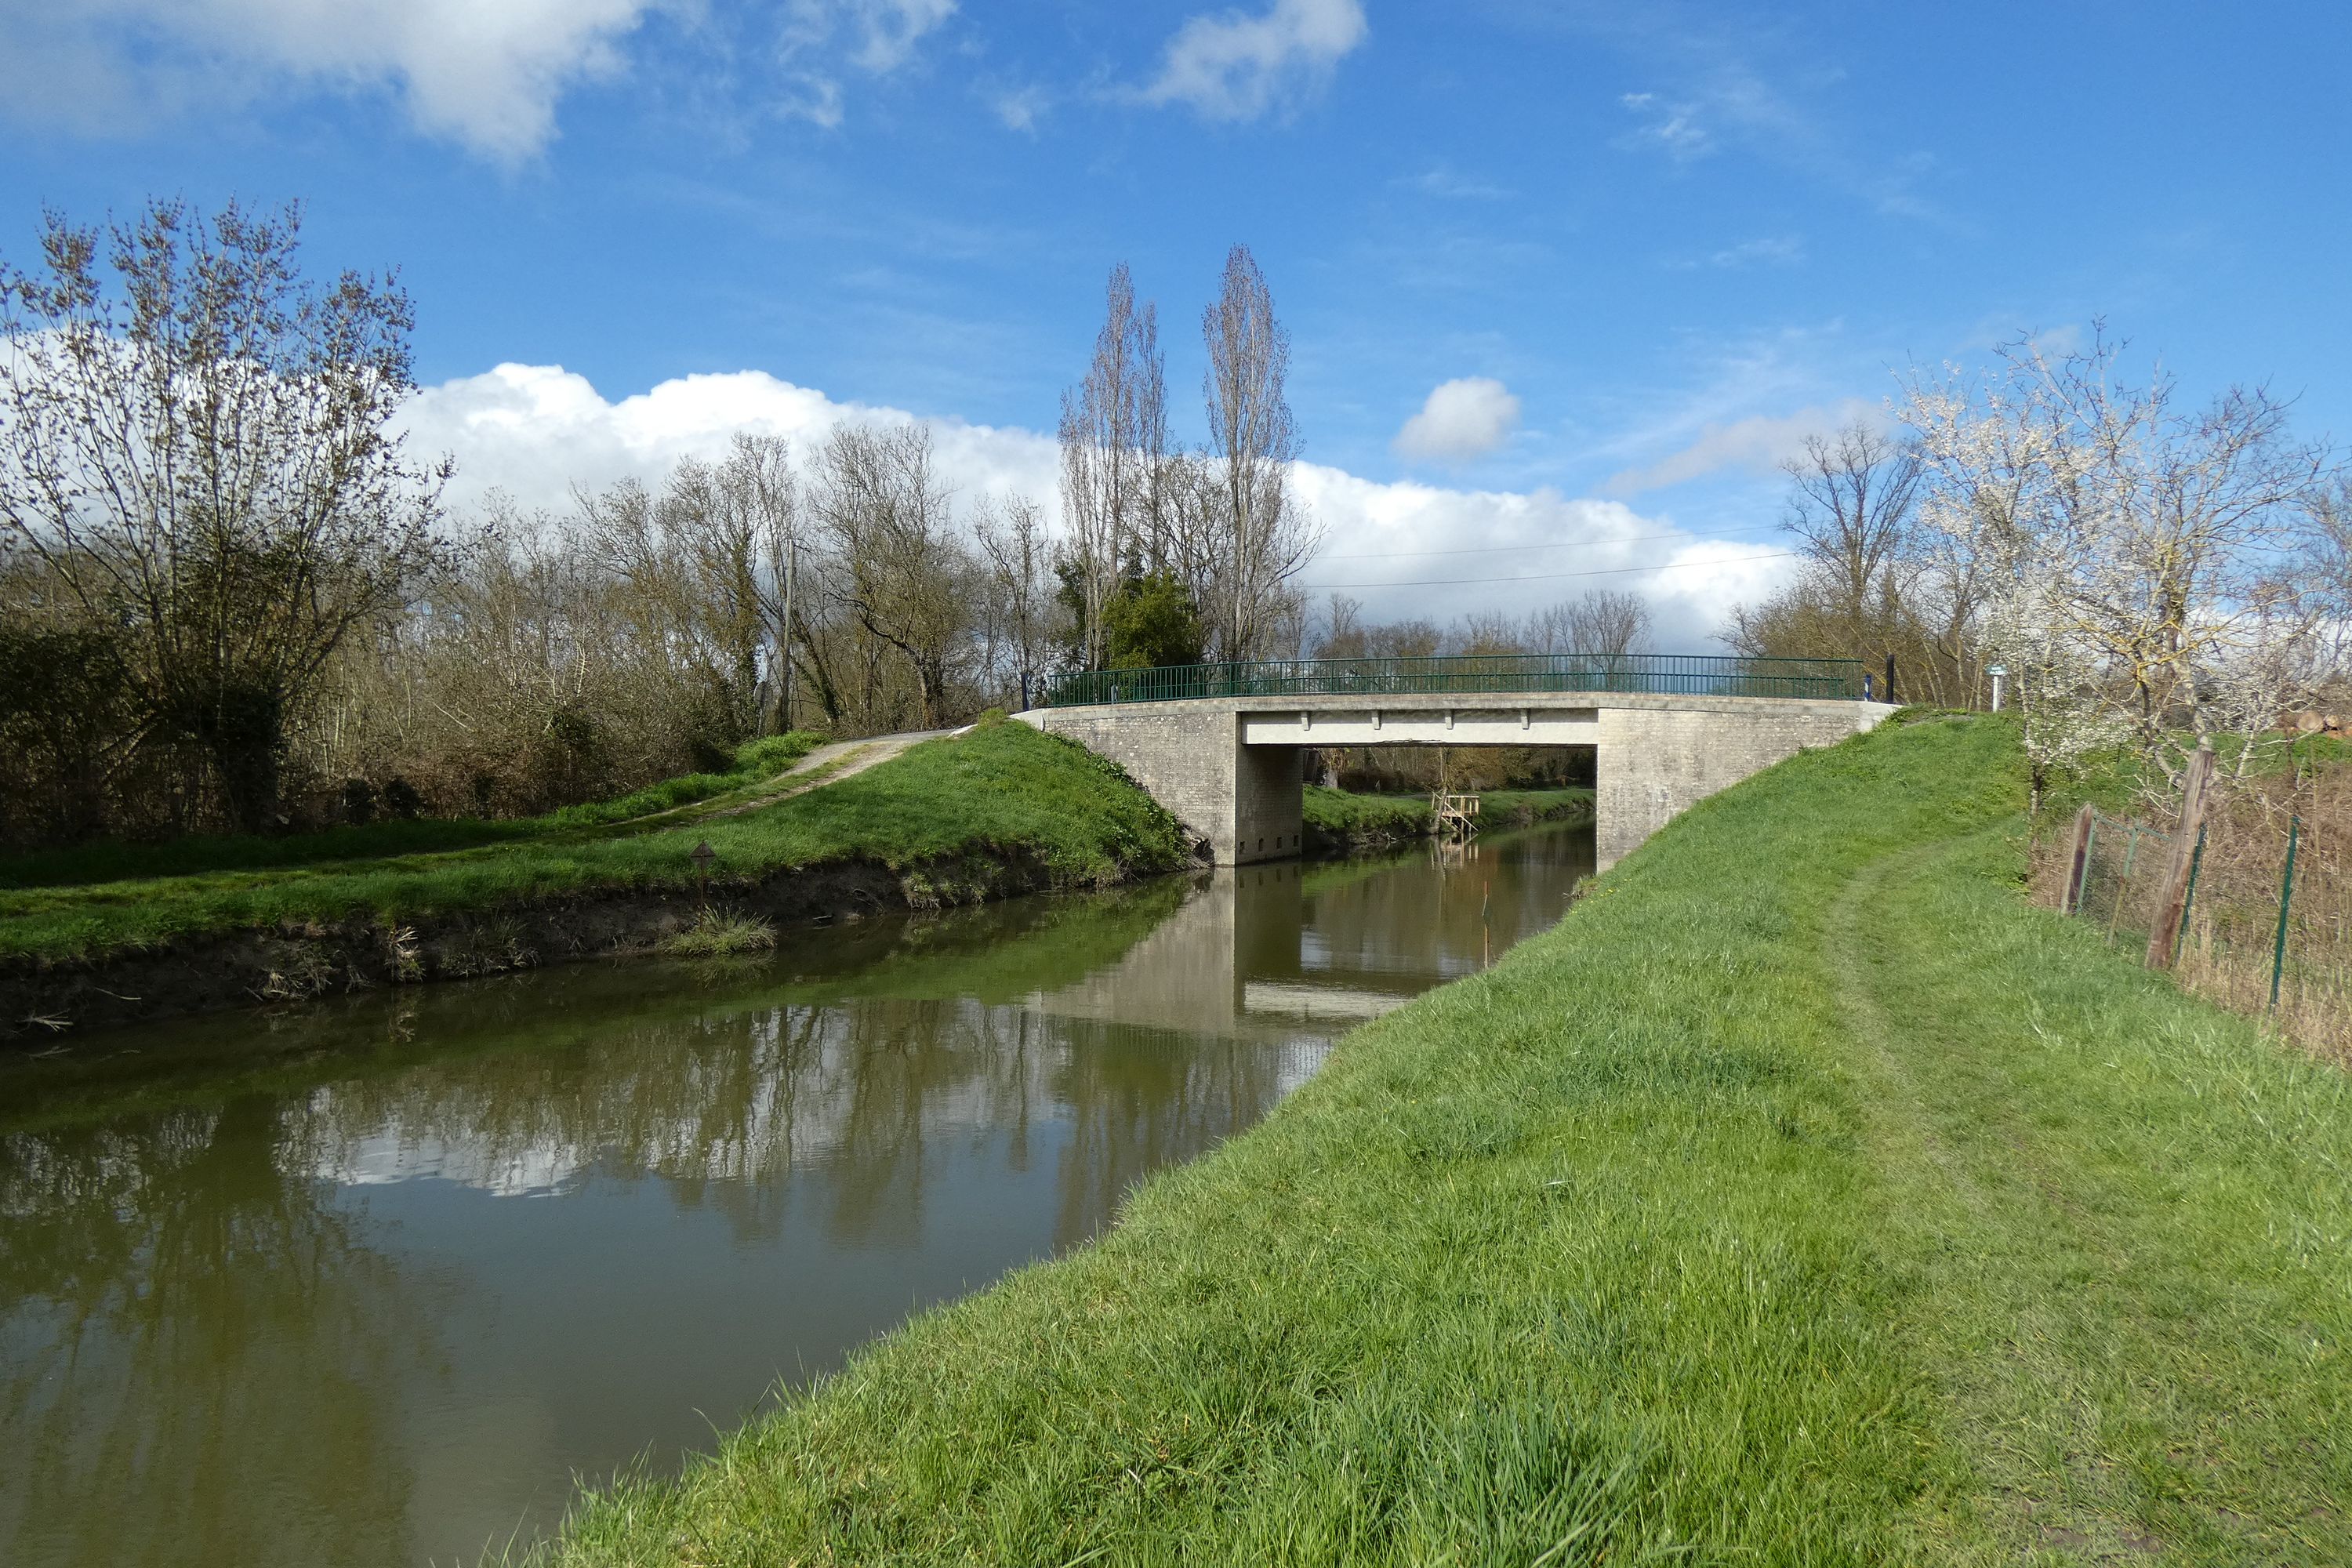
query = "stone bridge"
{"x": 1220, "y": 744}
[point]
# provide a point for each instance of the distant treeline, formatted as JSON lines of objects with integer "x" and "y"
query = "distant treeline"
{"x": 230, "y": 599}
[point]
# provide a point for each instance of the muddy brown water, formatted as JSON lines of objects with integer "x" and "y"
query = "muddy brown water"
{"x": 372, "y": 1282}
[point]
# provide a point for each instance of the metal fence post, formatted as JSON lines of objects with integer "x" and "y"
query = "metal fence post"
{"x": 2286, "y": 896}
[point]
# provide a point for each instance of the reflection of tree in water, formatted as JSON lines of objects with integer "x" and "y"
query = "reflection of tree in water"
{"x": 202, "y": 1359}
{"x": 1139, "y": 1100}
{"x": 209, "y": 1355}
{"x": 874, "y": 1093}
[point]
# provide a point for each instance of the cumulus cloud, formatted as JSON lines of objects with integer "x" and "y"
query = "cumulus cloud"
{"x": 534, "y": 431}
{"x": 1759, "y": 445}
{"x": 487, "y": 76}
{"x": 1236, "y": 66}
{"x": 1407, "y": 549}
{"x": 1460, "y": 420}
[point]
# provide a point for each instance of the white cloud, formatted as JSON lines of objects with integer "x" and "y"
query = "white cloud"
{"x": 1446, "y": 182}
{"x": 1757, "y": 444}
{"x": 1235, "y": 66}
{"x": 1461, "y": 419}
{"x": 534, "y": 431}
{"x": 485, "y": 74}
{"x": 878, "y": 36}
{"x": 1020, "y": 109}
{"x": 1519, "y": 551}
{"x": 1673, "y": 129}
{"x": 1779, "y": 250}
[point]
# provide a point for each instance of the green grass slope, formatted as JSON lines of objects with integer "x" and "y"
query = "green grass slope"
{"x": 755, "y": 764}
{"x": 1805, "y": 1198}
{"x": 1002, "y": 791}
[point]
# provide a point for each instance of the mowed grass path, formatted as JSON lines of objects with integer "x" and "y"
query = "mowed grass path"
{"x": 1805, "y": 1198}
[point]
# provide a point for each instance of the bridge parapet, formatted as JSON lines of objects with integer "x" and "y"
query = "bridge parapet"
{"x": 1547, "y": 674}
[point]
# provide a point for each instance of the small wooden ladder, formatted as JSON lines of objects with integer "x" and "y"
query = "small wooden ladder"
{"x": 1456, "y": 814}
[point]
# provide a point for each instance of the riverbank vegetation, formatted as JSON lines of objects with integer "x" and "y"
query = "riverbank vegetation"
{"x": 999, "y": 808}
{"x": 1806, "y": 1196}
{"x": 1343, "y": 820}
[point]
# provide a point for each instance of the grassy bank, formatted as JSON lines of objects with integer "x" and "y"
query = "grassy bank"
{"x": 1341, "y": 819}
{"x": 1806, "y": 1197}
{"x": 113, "y": 861}
{"x": 997, "y": 793}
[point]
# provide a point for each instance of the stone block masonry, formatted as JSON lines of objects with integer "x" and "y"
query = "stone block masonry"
{"x": 1229, "y": 767}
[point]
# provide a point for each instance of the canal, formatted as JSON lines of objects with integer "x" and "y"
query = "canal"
{"x": 371, "y": 1282}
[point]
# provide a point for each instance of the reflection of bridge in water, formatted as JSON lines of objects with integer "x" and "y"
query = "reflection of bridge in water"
{"x": 1286, "y": 943}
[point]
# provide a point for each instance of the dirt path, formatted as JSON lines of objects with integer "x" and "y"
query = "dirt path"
{"x": 829, "y": 763}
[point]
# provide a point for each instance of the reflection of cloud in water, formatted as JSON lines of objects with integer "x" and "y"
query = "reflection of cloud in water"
{"x": 276, "y": 1276}
{"x": 377, "y": 1158}
{"x": 752, "y": 1097}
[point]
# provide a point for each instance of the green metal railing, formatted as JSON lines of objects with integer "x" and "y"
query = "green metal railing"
{"x": 1660, "y": 674}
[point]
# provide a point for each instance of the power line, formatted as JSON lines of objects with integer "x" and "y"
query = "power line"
{"x": 1564, "y": 544}
{"x": 1552, "y": 576}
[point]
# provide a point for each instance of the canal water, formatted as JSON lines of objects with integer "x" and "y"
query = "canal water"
{"x": 370, "y": 1282}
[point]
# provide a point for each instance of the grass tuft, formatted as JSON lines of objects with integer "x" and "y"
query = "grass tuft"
{"x": 715, "y": 933}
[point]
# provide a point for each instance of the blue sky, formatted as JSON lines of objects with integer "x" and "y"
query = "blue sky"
{"x": 1658, "y": 242}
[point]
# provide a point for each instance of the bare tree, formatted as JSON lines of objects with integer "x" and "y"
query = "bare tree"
{"x": 199, "y": 453}
{"x": 1603, "y": 621}
{"x": 1266, "y": 534}
{"x": 1343, "y": 632}
{"x": 709, "y": 563}
{"x": 905, "y": 575}
{"x": 1850, "y": 502}
{"x": 1114, "y": 435}
{"x": 1028, "y": 615}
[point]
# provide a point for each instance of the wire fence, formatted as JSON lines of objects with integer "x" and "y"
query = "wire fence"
{"x": 2267, "y": 925}
{"x": 1707, "y": 675}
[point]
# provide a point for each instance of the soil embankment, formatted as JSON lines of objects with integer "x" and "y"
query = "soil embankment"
{"x": 989, "y": 813}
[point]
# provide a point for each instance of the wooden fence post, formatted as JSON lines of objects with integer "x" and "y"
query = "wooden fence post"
{"x": 2170, "y": 909}
{"x": 2078, "y": 864}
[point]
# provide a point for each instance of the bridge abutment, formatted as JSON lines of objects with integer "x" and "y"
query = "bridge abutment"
{"x": 1243, "y": 800}
{"x": 1657, "y": 757}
